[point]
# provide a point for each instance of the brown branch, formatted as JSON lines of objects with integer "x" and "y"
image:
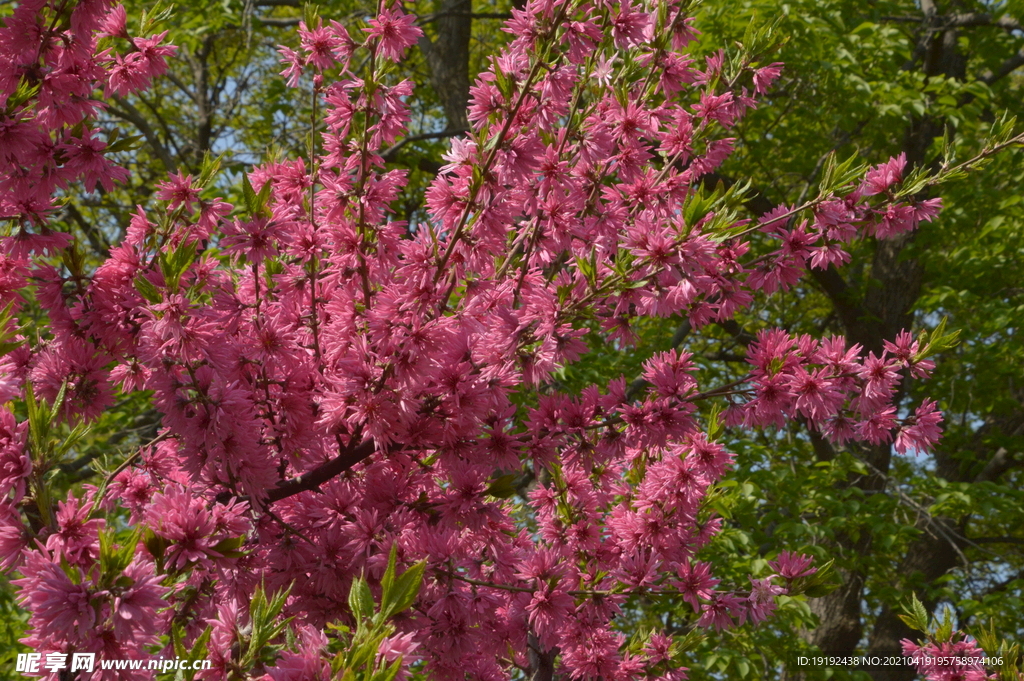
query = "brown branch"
{"x": 1005, "y": 69}
{"x": 1005, "y": 22}
{"x": 850, "y": 310}
{"x": 542, "y": 662}
{"x": 1004, "y": 584}
{"x": 1000, "y": 462}
{"x": 389, "y": 154}
{"x": 965, "y": 20}
{"x": 129, "y": 113}
{"x": 924, "y": 42}
{"x": 279, "y": 21}
{"x": 998, "y": 540}
{"x": 312, "y": 480}
{"x": 431, "y": 18}
{"x": 96, "y": 239}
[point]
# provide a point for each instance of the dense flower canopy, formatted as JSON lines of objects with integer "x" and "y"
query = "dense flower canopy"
{"x": 336, "y": 384}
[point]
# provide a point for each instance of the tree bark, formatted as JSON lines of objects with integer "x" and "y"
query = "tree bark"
{"x": 447, "y": 56}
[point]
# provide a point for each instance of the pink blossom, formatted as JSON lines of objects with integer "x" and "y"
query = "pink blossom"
{"x": 630, "y": 26}
{"x": 134, "y": 71}
{"x": 880, "y": 377}
{"x": 719, "y": 613}
{"x": 695, "y": 582}
{"x": 947, "y": 660}
{"x": 15, "y": 462}
{"x": 880, "y": 178}
{"x": 548, "y": 609}
{"x": 60, "y": 607}
{"x": 321, "y": 44}
{"x": 305, "y": 664}
{"x": 922, "y": 432}
{"x": 792, "y": 566}
{"x": 14, "y": 536}
{"x": 761, "y": 602}
{"x": 135, "y": 605}
{"x": 77, "y": 537}
{"x": 179, "y": 191}
{"x": 395, "y": 31}
{"x": 255, "y": 239}
{"x": 765, "y": 76}
{"x": 294, "y": 63}
{"x": 115, "y": 23}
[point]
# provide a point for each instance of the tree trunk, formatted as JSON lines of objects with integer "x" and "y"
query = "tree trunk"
{"x": 447, "y": 56}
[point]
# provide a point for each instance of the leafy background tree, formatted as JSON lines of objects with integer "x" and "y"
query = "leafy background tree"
{"x": 877, "y": 80}
{"x": 872, "y": 80}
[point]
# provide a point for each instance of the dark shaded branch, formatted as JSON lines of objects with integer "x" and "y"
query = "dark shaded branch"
{"x": 1005, "y": 69}
{"x": 169, "y": 133}
{"x": 128, "y": 112}
{"x": 733, "y": 328}
{"x": 1000, "y": 462}
{"x": 850, "y": 310}
{"x": 924, "y": 42}
{"x": 1005, "y": 22}
{"x": 542, "y": 662}
{"x": 279, "y": 21}
{"x": 1004, "y": 584}
{"x": 965, "y": 20}
{"x": 389, "y": 154}
{"x": 430, "y": 18}
{"x": 313, "y": 479}
{"x": 998, "y": 540}
{"x": 96, "y": 239}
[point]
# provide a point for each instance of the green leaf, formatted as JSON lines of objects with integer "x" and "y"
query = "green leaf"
{"x": 917, "y": 616}
{"x": 360, "y": 600}
{"x": 24, "y": 93}
{"x": 174, "y": 264}
{"x": 407, "y": 588}
{"x": 229, "y": 547}
{"x": 147, "y": 289}
{"x": 8, "y": 346}
{"x": 178, "y": 640}
{"x": 113, "y": 561}
{"x": 155, "y": 544}
{"x": 311, "y": 15}
{"x": 389, "y": 672}
{"x": 714, "y": 422}
{"x": 248, "y": 194}
{"x": 130, "y": 143}
{"x": 209, "y": 169}
{"x": 256, "y": 202}
{"x": 388, "y": 580}
{"x": 945, "y": 630}
{"x": 58, "y": 402}
{"x": 261, "y": 200}
{"x": 502, "y": 487}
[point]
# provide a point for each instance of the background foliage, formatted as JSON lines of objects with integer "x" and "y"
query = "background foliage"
{"x": 873, "y": 79}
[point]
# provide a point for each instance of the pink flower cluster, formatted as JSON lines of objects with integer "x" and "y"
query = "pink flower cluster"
{"x": 836, "y": 390}
{"x": 335, "y": 383}
{"x": 953, "y": 660}
{"x": 49, "y": 69}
